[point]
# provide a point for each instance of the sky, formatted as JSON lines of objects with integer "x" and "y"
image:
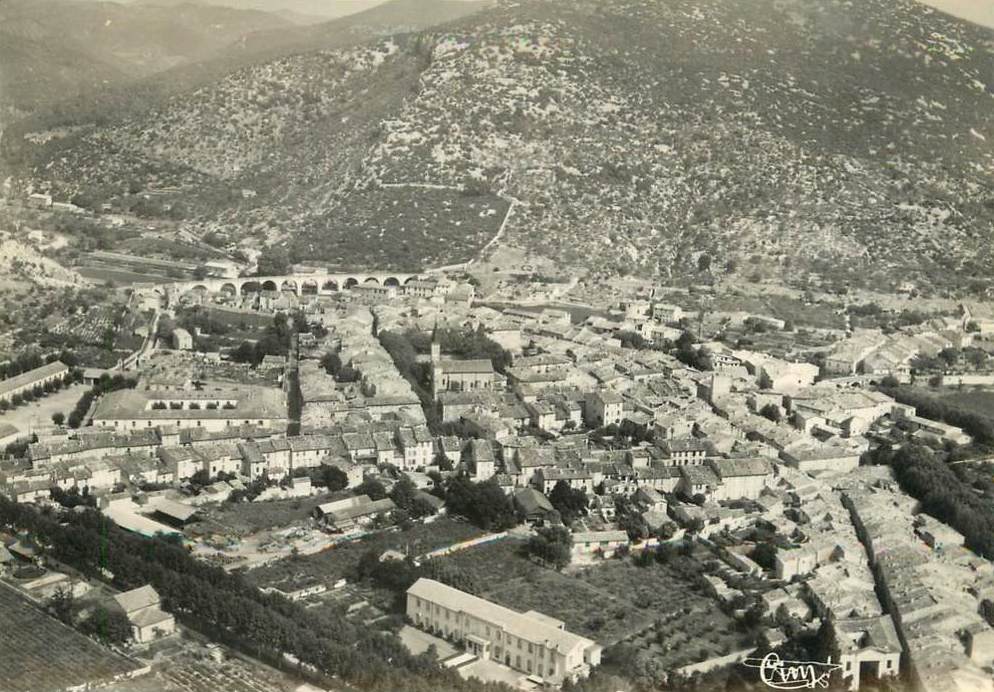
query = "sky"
{"x": 979, "y": 11}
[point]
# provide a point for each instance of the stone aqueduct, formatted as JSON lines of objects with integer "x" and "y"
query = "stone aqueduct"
{"x": 301, "y": 284}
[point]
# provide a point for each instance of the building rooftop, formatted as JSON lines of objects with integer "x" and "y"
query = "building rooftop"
{"x": 32, "y": 376}
{"x": 136, "y": 599}
{"x": 253, "y": 403}
{"x": 527, "y": 627}
{"x": 467, "y": 367}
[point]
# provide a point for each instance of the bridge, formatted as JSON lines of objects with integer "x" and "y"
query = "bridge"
{"x": 300, "y": 284}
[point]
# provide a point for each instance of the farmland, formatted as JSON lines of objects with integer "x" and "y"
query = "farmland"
{"x": 27, "y": 641}
{"x": 657, "y": 609}
{"x": 250, "y": 517}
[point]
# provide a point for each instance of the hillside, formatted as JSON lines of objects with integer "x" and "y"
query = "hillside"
{"x": 85, "y": 98}
{"x": 812, "y": 141}
{"x": 55, "y": 49}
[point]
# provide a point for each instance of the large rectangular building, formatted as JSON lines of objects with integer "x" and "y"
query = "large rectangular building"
{"x": 213, "y": 408}
{"x": 530, "y": 642}
{"x": 26, "y": 381}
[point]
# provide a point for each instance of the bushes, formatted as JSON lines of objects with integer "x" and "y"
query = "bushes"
{"x": 552, "y": 545}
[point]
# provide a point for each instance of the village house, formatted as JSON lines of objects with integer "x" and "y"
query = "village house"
{"x": 482, "y": 463}
{"x": 530, "y": 642}
{"x": 781, "y": 376}
{"x": 144, "y": 610}
{"x": 182, "y": 340}
{"x": 603, "y": 407}
{"x": 353, "y": 513}
{"x": 533, "y": 506}
{"x": 741, "y": 478}
{"x": 577, "y": 479}
{"x": 589, "y": 544}
{"x": 867, "y": 646}
{"x": 688, "y": 451}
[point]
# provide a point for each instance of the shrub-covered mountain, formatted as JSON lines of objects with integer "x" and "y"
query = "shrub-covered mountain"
{"x": 54, "y": 49}
{"x": 812, "y": 140}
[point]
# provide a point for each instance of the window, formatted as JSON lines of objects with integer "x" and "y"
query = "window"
{"x": 530, "y": 648}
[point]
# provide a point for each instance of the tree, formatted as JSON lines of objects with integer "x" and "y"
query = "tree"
{"x": 771, "y": 412}
{"x": 571, "y": 504}
{"x": 764, "y": 555}
{"x": 636, "y": 527}
{"x": 334, "y": 478}
{"x": 62, "y": 604}
{"x": 889, "y": 382}
{"x": 108, "y": 625}
{"x": 58, "y": 418}
{"x": 372, "y": 488}
{"x": 332, "y": 363}
{"x": 484, "y": 504}
{"x": 553, "y": 545}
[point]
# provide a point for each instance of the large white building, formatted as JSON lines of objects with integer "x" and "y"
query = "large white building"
{"x": 530, "y": 642}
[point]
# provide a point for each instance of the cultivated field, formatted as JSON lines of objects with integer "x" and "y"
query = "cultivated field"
{"x": 612, "y": 602}
{"x": 28, "y": 640}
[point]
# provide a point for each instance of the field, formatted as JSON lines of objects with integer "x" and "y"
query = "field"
{"x": 251, "y": 517}
{"x": 28, "y": 640}
{"x": 119, "y": 276}
{"x": 340, "y": 561}
{"x": 685, "y": 625}
{"x": 611, "y": 602}
{"x": 182, "y": 666}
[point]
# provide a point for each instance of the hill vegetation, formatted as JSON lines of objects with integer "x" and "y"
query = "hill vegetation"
{"x": 820, "y": 143}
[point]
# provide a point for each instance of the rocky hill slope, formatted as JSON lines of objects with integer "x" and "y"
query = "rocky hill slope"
{"x": 816, "y": 141}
